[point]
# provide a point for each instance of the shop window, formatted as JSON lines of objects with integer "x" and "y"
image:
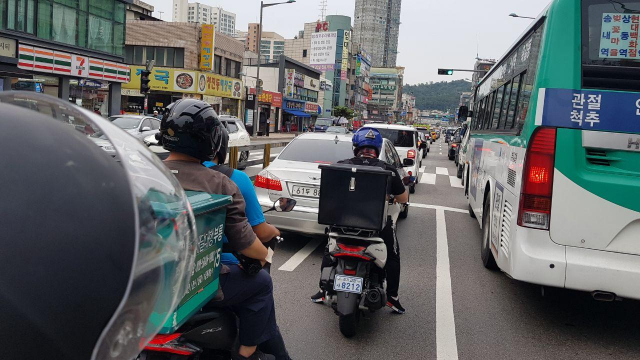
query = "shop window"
{"x": 179, "y": 58}
{"x": 217, "y": 63}
{"x": 304, "y": 53}
{"x": 170, "y": 54}
{"x": 138, "y": 52}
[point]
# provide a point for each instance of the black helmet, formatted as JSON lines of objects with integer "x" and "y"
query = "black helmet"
{"x": 191, "y": 127}
{"x": 224, "y": 145}
{"x": 92, "y": 262}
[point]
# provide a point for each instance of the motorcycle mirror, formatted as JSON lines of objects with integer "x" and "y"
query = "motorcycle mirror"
{"x": 284, "y": 205}
{"x": 408, "y": 180}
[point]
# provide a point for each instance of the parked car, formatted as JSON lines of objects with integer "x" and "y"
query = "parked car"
{"x": 238, "y": 135}
{"x": 139, "y": 126}
{"x": 337, "y": 130}
{"x": 322, "y": 124}
{"x": 454, "y": 143}
{"x": 405, "y": 140}
{"x": 295, "y": 174}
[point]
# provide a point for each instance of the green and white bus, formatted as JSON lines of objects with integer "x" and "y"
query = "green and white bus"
{"x": 552, "y": 168}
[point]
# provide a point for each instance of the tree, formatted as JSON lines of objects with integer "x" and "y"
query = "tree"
{"x": 343, "y": 111}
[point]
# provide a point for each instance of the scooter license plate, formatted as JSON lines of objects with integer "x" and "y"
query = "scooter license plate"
{"x": 350, "y": 284}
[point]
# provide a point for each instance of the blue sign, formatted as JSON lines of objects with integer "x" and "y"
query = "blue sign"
{"x": 592, "y": 110}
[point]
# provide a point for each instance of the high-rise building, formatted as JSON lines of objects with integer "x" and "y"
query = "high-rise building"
{"x": 271, "y": 46}
{"x": 377, "y": 27}
{"x": 184, "y": 11}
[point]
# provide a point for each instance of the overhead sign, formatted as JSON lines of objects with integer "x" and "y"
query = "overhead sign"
{"x": 58, "y": 62}
{"x": 311, "y": 107}
{"x": 345, "y": 55}
{"x": 207, "y": 46}
{"x": 323, "y": 50}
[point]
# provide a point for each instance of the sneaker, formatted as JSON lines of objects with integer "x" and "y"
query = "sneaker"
{"x": 318, "y": 298}
{"x": 394, "y": 304}
{"x": 257, "y": 355}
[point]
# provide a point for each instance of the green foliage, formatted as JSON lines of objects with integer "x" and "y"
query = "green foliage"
{"x": 343, "y": 111}
{"x": 438, "y": 96}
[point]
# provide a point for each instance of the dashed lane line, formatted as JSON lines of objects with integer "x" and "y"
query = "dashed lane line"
{"x": 302, "y": 254}
{"x": 438, "y": 207}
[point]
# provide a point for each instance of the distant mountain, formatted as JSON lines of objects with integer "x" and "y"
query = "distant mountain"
{"x": 438, "y": 96}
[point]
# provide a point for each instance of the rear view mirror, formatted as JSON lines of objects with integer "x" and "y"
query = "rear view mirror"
{"x": 146, "y": 128}
{"x": 284, "y": 205}
{"x": 408, "y": 162}
{"x": 151, "y": 140}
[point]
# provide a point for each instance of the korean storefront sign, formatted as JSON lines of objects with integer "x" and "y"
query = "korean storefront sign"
{"x": 207, "y": 44}
{"x": 619, "y": 38}
{"x": 384, "y": 87}
{"x": 7, "y": 47}
{"x": 311, "y": 108}
{"x": 273, "y": 98}
{"x": 345, "y": 55}
{"x": 290, "y": 75}
{"x": 58, "y": 62}
{"x": 311, "y": 83}
{"x": 323, "y": 50}
{"x": 180, "y": 80}
{"x": 294, "y": 105}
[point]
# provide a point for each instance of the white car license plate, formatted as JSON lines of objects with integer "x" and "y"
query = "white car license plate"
{"x": 309, "y": 191}
{"x": 350, "y": 284}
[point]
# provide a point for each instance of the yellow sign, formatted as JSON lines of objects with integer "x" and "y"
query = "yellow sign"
{"x": 217, "y": 85}
{"x": 185, "y": 81}
{"x": 206, "y": 47}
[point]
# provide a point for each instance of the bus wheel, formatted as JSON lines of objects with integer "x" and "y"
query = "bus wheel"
{"x": 485, "y": 252}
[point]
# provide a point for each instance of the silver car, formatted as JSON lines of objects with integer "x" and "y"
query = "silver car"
{"x": 139, "y": 126}
{"x": 295, "y": 174}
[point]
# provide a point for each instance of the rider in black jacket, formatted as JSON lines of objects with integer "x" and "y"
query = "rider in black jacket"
{"x": 367, "y": 143}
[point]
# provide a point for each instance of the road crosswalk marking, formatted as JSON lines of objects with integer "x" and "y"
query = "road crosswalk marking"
{"x": 428, "y": 178}
{"x": 442, "y": 171}
{"x": 455, "y": 182}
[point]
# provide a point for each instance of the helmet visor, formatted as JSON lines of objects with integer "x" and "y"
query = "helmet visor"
{"x": 164, "y": 248}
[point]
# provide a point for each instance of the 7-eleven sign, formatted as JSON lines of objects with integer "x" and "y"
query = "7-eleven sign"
{"x": 79, "y": 66}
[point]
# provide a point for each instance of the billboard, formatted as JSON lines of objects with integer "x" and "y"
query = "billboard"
{"x": 323, "y": 50}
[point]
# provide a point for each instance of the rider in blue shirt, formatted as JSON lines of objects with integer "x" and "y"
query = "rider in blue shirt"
{"x": 265, "y": 231}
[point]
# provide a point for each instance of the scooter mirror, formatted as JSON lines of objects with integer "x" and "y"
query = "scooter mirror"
{"x": 407, "y": 180}
{"x": 284, "y": 205}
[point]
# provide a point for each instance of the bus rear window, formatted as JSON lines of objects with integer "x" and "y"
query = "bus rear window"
{"x": 610, "y": 33}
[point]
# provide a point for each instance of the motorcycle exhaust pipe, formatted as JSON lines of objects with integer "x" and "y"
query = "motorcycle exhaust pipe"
{"x": 603, "y": 296}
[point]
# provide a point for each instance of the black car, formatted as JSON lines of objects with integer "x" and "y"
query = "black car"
{"x": 448, "y": 134}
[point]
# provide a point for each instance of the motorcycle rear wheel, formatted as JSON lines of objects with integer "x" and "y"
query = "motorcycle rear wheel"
{"x": 349, "y": 324}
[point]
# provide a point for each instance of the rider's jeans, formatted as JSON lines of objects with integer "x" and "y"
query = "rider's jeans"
{"x": 250, "y": 297}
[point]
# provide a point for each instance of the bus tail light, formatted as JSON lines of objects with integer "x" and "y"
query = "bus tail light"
{"x": 537, "y": 180}
{"x": 411, "y": 154}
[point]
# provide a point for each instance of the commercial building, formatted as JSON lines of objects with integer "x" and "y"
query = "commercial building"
{"x": 300, "y": 86}
{"x": 376, "y": 28}
{"x": 72, "y": 50}
{"x": 386, "y": 100}
{"x": 408, "y": 108}
{"x": 360, "y": 92}
{"x": 184, "y": 67}
{"x": 195, "y": 12}
{"x": 327, "y": 46}
{"x": 271, "y": 46}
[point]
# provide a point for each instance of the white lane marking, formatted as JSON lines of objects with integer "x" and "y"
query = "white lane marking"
{"x": 438, "y": 207}
{"x": 442, "y": 171}
{"x": 455, "y": 182}
{"x": 428, "y": 178}
{"x": 302, "y": 254}
{"x": 446, "y": 345}
{"x": 440, "y": 153}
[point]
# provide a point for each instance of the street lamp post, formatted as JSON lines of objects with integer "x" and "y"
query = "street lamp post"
{"x": 514, "y": 15}
{"x": 256, "y": 116}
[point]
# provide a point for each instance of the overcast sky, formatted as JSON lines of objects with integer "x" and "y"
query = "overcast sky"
{"x": 433, "y": 33}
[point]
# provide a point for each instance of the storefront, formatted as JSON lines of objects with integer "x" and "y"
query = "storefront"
{"x": 295, "y": 117}
{"x": 312, "y": 109}
{"x": 171, "y": 84}
{"x": 270, "y": 104}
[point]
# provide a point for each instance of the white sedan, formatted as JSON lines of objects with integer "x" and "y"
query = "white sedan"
{"x": 238, "y": 135}
{"x": 295, "y": 174}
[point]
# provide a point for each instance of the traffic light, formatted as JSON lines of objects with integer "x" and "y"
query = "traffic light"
{"x": 144, "y": 81}
{"x": 445, "y": 71}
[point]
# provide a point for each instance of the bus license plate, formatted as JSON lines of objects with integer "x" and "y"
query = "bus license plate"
{"x": 350, "y": 284}
{"x": 309, "y": 191}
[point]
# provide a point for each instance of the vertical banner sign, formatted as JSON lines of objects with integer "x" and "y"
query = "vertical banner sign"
{"x": 619, "y": 39}
{"x": 290, "y": 75}
{"x": 358, "y": 65}
{"x": 206, "y": 47}
{"x": 345, "y": 55}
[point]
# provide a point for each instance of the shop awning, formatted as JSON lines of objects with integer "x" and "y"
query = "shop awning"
{"x": 297, "y": 113}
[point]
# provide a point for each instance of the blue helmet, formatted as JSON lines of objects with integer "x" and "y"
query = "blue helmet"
{"x": 367, "y": 138}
